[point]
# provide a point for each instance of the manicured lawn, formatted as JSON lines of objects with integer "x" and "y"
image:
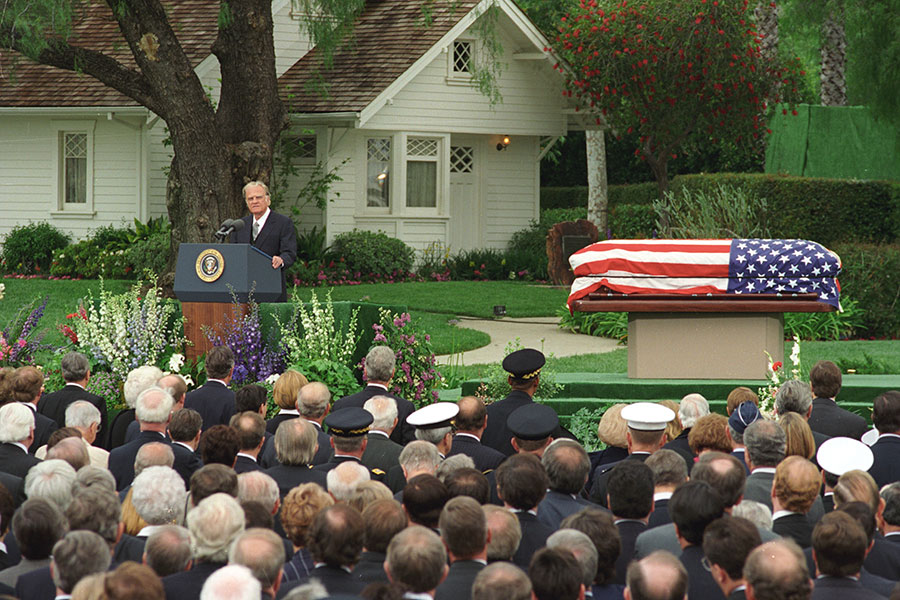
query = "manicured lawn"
{"x": 447, "y": 338}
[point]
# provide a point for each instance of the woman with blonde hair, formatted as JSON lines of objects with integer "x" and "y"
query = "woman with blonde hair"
{"x": 26, "y": 386}
{"x": 673, "y": 427}
{"x": 298, "y": 510}
{"x": 611, "y": 431}
{"x": 285, "y": 392}
{"x": 798, "y": 435}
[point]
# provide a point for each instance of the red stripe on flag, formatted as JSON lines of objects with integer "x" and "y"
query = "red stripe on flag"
{"x": 654, "y": 269}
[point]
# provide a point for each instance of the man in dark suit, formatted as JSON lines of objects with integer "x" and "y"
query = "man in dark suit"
{"x": 727, "y": 542}
{"x": 464, "y": 530}
{"x": 556, "y": 574}
{"x": 251, "y": 429}
{"x": 659, "y": 571}
{"x": 777, "y": 565}
{"x": 521, "y": 485}
{"x": 421, "y": 547}
{"x": 827, "y": 417}
{"x": 630, "y": 498}
{"x": 795, "y": 396}
{"x": 335, "y": 543}
{"x": 261, "y": 551}
{"x": 77, "y": 555}
{"x": 381, "y": 451}
{"x": 348, "y": 428}
{"x": 267, "y": 230}
{"x": 214, "y": 400}
{"x": 76, "y": 371}
{"x": 313, "y": 405}
{"x": 794, "y": 489}
{"x": 839, "y": 549}
{"x": 669, "y": 471}
{"x": 153, "y": 410}
{"x": 889, "y": 520}
{"x": 886, "y": 418}
{"x": 691, "y": 409}
{"x": 184, "y": 430}
{"x": 567, "y": 466}
{"x": 383, "y": 520}
{"x": 16, "y": 435}
{"x": 694, "y": 505}
{"x": 470, "y": 424}
{"x": 378, "y": 370}
{"x": 766, "y": 443}
{"x": 295, "y": 445}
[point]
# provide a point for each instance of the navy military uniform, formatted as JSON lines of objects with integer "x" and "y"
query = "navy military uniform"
{"x": 352, "y": 422}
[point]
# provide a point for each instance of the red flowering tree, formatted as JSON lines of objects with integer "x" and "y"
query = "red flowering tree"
{"x": 678, "y": 72}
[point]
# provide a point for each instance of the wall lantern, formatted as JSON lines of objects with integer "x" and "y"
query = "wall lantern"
{"x": 503, "y": 143}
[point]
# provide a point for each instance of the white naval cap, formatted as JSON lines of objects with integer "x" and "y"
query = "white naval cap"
{"x": 647, "y": 416}
{"x": 439, "y": 414}
{"x": 870, "y": 437}
{"x": 841, "y": 454}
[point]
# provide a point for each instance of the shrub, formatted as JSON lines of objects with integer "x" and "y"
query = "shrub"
{"x": 116, "y": 252}
{"x": 28, "y": 249}
{"x": 372, "y": 253}
{"x": 871, "y": 275}
{"x": 495, "y": 382}
{"x": 632, "y": 221}
{"x": 480, "y": 264}
{"x": 149, "y": 254}
{"x": 416, "y": 379}
{"x": 722, "y": 211}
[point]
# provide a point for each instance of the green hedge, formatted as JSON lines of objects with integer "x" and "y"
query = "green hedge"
{"x": 828, "y": 211}
{"x": 870, "y": 275}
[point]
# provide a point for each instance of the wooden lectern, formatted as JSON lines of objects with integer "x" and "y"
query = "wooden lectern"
{"x": 208, "y": 280}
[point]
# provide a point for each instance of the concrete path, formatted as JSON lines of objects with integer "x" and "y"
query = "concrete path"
{"x": 537, "y": 332}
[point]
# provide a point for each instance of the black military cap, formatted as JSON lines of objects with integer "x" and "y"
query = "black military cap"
{"x": 349, "y": 422}
{"x": 532, "y": 422}
{"x": 525, "y": 363}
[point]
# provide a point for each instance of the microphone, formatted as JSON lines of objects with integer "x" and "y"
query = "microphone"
{"x": 228, "y": 226}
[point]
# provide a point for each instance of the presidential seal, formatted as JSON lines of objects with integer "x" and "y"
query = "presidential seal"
{"x": 210, "y": 265}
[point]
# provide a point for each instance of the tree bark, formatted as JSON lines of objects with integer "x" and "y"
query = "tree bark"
{"x": 659, "y": 166}
{"x": 834, "y": 59}
{"x": 598, "y": 189}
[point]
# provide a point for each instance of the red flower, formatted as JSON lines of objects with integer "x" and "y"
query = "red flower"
{"x": 776, "y": 366}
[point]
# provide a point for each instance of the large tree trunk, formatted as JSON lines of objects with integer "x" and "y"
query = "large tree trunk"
{"x": 659, "y": 166}
{"x": 766, "y": 14}
{"x": 598, "y": 190}
{"x": 834, "y": 59}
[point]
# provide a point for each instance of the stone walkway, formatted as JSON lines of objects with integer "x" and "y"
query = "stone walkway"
{"x": 537, "y": 332}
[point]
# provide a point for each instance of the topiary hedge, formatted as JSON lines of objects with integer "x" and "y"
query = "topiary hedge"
{"x": 870, "y": 274}
{"x": 372, "y": 253}
{"x": 28, "y": 249}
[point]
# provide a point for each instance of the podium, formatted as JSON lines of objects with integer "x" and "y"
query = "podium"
{"x": 210, "y": 277}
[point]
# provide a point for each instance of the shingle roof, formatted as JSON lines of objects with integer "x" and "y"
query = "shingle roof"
{"x": 24, "y": 83}
{"x": 388, "y": 38}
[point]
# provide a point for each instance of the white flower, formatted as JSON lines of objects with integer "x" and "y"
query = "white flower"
{"x": 176, "y": 362}
{"x": 188, "y": 380}
{"x": 2, "y": 288}
{"x": 271, "y": 379}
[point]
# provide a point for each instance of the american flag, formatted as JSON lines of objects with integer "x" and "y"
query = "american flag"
{"x": 737, "y": 266}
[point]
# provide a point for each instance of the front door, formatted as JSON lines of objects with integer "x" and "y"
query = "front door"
{"x": 465, "y": 194}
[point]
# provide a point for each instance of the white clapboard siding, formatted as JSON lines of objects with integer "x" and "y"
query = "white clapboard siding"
{"x": 511, "y": 191}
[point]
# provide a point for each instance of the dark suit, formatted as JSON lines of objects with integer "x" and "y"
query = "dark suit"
{"x": 681, "y": 446}
{"x": 187, "y": 585}
{"x": 884, "y": 558}
{"x": 118, "y": 429}
{"x": 886, "y": 467}
{"x": 381, "y": 452}
{"x": 268, "y": 458}
{"x": 485, "y": 458}
{"x": 245, "y": 464}
{"x": 832, "y": 420}
{"x": 458, "y": 584}
{"x": 121, "y": 459}
{"x": 795, "y": 526}
{"x": 534, "y": 537}
{"x": 497, "y": 435}
{"x": 556, "y": 506}
{"x": 273, "y": 423}
{"x": 337, "y": 580}
{"x": 214, "y": 401}
{"x": 54, "y": 405}
{"x": 289, "y": 477}
{"x": 601, "y": 476}
{"x": 36, "y": 585}
{"x": 15, "y": 486}
{"x": 660, "y": 514}
{"x": 370, "y": 568}
{"x": 43, "y": 427}
{"x": 610, "y": 591}
{"x": 628, "y": 532}
{"x": 133, "y": 430}
{"x": 404, "y": 432}
{"x": 186, "y": 462}
{"x": 129, "y": 547}
{"x": 759, "y": 488}
{"x": 278, "y": 237}
{"x": 15, "y": 461}
{"x": 700, "y": 581}
{"x": 612, "y": 454}
{"x": 842, "y": 588}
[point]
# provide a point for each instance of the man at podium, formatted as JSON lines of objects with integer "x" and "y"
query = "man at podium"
{"x": 267, "y": 230}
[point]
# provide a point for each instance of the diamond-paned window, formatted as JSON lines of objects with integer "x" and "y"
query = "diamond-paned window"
{"x": 461, "y": 159}
{"x": 75, "y": 149}
{"x": 462, "y": 57}
{"x": 421, "y": 147}
{"x": 379, "y": 149}
{"x": 378, "y": 166}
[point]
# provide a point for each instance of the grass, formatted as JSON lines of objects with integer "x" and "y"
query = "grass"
{"x": 447, "y": 338}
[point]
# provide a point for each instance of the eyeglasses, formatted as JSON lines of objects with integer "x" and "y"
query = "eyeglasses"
{"x": 705, "y": 562}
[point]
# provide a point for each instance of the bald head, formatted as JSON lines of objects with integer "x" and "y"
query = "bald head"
{"x": 154, "y": 454}
{"x": 176, "y": 386}
{"x": 472, "y": 415}
{"x": 659, "y": 576}
{"x": 72, "y": 450}
{"x": 777, "y": 570}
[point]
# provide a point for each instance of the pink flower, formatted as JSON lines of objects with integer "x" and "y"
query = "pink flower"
{"x": 21, "y": 343}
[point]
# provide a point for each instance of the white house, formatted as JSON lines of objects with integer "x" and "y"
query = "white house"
{"x": 421, "y": 152}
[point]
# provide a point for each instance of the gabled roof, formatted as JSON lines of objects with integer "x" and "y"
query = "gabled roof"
{"x": 388, "y": 38}
{"x": 24, "y": 83}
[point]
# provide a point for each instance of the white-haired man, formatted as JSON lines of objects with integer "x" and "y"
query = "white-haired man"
{"x": 84, "y": 416}
{"x": 51, "y": 480}
{"x": 138, "y": 380}
{"x": 381, "y": 451}
{"x": 690, "y": 410}
{"x": 16, "y": 436}
{"x": 345, "y": 478}
{"x": 153, "y": 410}
{"x": 158, "y": 496}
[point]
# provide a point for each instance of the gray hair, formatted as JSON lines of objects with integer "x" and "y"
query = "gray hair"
{"x": 261, "y": 551}
{"x": 420, "y": 456}
{"x": 16, "y": 422}
{"x": 567, "y": 465}
{"x": 313, "y": 399}
{"x": 159, "y": 496}
{"x": 313, "y": 590}
{"x": 668, "y": 467}
{"x": 793, "y": 396}
{"x": 97, "y": 510}
{"x": 73, "y": 450}
{"x": 380, "y": 363}
{"x": 433, "y": 435}
{"x": 168, "y": 550}
{"x": 756, "y": 512}
{"x": 214, "y": 524}
{"x": 891, "y": 495}
{"x": 581, "y": 546}
{"x": 74, "y": 366}
{"x": 501, "y": 581}
{"x": 691, "y": 408}
{"x": 82, "y": 413}
{"x": 251, "y": 184}
{"x": 154, "y": 405}
{"x": 766, "y": 443}
{"x": 295, "y": 441}
{"x": 506, "y": 533}
{"x": 138, "y": 380}
{"x": 345, "y": 478}
{"x": 91, "y": 476}
{"x": 232, "y": 582}
{"x": 416, "y": 558}
{"x": 154, "y": 454}
{"x": 77, "y": 555}
{"x": 256, "y": 486}
{"x": 384, "y": 411}
{"x": 736, "y": 436}
{"x": 451, "y": 464}
{"x": 51, "y": 480}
